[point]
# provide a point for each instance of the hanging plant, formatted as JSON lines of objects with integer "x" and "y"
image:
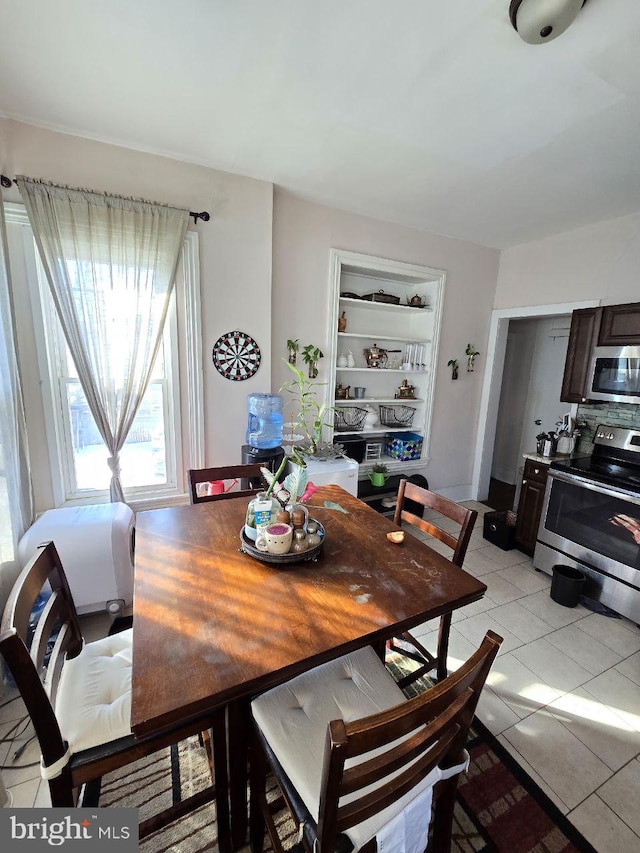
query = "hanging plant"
{"x": 453, "y": 364}
{"x": 293, "y": 346}
{"x": 471, "y": 353}
{"x": 311, "y": 355}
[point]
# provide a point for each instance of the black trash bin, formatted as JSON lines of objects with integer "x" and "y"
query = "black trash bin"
{"x": 566, "y": 585}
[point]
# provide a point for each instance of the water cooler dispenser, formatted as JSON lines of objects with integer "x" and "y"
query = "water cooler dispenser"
{"x": 264, "y": 431}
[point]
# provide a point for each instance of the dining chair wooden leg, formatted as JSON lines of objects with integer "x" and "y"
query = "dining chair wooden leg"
{"x": 380, "y": 648}
{"x": 238, "y": 727}
{"x": 218, "y": 739}
{"x": 257, "y": 797}
{"x": 443, "y": 645}
{"x": 442, "y": 821}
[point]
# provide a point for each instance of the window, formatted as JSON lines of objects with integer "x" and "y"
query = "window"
{"x": 161, "y": 444}
{"x": 145, "y": 461}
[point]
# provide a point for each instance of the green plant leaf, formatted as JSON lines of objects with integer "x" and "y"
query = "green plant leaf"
{"x": 295, "y": 482}
{"x": 333, "y": 505}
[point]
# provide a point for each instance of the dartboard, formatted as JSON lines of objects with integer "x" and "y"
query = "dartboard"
{"x": 236, "y": 356}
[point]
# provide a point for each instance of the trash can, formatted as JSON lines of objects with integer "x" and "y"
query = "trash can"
{"x": 566, "y": 585}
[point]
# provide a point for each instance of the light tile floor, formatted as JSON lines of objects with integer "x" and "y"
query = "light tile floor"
{"x": 563, "y": 695}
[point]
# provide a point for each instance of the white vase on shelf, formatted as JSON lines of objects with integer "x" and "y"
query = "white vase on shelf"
{"x": 342, "y": 360}
{"x": 351, "y": 362}
{"x": 371, "y": 418}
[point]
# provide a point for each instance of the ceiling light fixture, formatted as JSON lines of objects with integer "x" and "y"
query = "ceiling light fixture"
{"x": 538, "y": 21}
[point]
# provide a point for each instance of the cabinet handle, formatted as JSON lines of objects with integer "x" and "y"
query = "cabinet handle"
{"x": 536, "y": 470}
{"x": 524, "y": 482}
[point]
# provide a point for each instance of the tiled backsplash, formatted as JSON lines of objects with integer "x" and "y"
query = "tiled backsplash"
{"x": 612, "y": 414}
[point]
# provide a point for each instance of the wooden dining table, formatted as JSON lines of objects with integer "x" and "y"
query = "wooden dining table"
{"x": 214, "y": 626}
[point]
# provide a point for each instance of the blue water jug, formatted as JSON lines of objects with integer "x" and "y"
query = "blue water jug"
{"x": 264, "y": 429}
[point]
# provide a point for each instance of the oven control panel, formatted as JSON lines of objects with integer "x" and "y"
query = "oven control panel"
{"x": 615, "y": 436}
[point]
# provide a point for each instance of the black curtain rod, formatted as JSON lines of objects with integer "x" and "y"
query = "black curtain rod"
{"x": 6, "y": 183}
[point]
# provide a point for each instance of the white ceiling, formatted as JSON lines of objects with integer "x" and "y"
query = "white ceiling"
{"x": 430, "y": 113}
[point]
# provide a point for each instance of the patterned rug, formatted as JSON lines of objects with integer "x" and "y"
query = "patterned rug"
{"x": 499, "y": 809}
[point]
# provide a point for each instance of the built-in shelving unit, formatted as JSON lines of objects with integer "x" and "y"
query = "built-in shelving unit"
{"x": 408, "y": 334}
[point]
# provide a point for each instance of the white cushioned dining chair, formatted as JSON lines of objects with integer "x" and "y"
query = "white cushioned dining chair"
{"x": 78, "y": 697}
{"x": 200, "y": 480}
{"x": 357, "y": 761}
{"x": 464, "y": 519}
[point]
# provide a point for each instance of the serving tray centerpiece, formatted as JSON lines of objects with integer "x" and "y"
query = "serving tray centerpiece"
{"x": 312, "y": 553}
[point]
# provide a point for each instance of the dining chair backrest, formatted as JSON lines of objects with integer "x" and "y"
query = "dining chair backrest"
{"x": 205, "y": 477}
{"x": 372, "y": 763}
{"x": 35, "y": 654}
{"x": 466, "y": 518}
{"x": 443, "y": 509}
{"x": 439, "y": 720}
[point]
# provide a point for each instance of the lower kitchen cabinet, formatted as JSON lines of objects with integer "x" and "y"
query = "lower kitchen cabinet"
{"x": 534, "y": 481}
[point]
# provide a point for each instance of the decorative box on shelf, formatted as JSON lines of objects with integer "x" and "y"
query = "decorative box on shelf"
{"x": 403, "y": 446}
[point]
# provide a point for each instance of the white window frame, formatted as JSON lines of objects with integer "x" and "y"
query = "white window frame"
{"x": 185, "y": 404}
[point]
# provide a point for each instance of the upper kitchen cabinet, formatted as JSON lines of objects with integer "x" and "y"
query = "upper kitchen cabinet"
{"x": 620, "y": 325}
{"x": 583, "y": 337}
{"x": 384, "y": 328}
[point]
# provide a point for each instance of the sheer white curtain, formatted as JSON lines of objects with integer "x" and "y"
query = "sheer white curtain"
{"x": 16, "y": 507}
{"x": 111, "y": 265}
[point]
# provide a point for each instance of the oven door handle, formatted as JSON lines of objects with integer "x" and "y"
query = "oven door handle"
{"x": 607, "y": 489}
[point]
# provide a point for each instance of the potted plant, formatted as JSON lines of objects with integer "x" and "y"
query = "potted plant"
{"x": 293, "y": 346}
{"x": 378, "y": 474}
{"x": 453, "y": 364}
{"x": 311, "y": 355}
{"x": 310, "y": 415}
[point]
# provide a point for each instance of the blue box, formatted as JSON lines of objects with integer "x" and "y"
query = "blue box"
{"x": 403, "y": 445}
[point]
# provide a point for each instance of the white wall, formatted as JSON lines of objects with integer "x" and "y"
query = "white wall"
{"x": 596, "y": 262}
{"x": 303, "y": 234}
{"x": 251, "y": 237}
{"x": 235, "y": 259}
{"x": 513, "y": 399}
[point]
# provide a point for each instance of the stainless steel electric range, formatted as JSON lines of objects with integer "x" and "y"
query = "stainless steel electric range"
{"x": 591, "y": 519}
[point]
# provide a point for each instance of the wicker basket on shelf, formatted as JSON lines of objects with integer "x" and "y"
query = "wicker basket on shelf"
{"x": 348, "y": 418}
{"x": 396, "y": 416}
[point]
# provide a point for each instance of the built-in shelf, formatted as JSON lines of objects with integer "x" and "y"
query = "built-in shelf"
{"x": 414, "y": 330}
{"x": 401, "y": 401}
{"x": 377, "y": 430}
{"x": 384, "y": 306}
{"x": 369, "y": 336}
{"x": 377, "y": 370}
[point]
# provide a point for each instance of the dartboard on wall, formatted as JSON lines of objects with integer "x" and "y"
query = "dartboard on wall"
{"x": 236, "y": 356}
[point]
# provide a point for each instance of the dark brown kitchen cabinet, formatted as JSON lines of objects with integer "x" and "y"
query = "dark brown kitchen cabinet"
{"x": 583, "y": 336}
{"x": 620, "y": 325}
{"x": 534, "y": 481}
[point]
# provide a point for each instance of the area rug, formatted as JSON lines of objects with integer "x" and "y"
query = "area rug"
{"x": 499, "y": 808}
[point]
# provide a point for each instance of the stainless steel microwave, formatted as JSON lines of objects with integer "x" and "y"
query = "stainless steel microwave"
{"x": 615, "y": 374}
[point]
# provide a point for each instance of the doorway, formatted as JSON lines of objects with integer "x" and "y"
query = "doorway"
{"x": 529, "y": 399}
{"x": 519, "y": 371}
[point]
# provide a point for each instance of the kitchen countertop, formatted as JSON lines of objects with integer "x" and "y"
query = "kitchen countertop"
{"x": 545, "y": 460}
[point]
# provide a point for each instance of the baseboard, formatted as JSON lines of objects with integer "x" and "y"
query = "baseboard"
{"x": 505, "y": 475}
{"x": 457, "y": 493}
